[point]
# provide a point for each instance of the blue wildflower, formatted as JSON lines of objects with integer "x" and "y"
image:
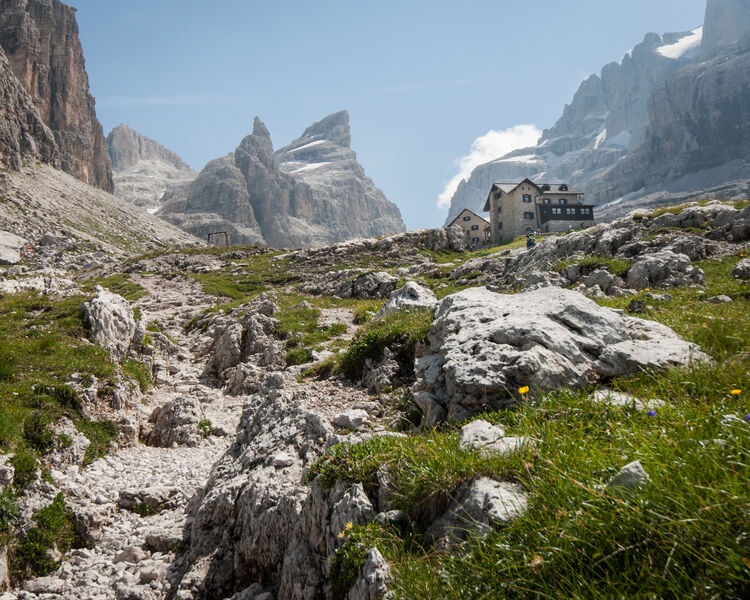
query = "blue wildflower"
{"x": 651, "y": 413}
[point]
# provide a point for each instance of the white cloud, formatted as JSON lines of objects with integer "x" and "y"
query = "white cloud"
{"x": 490, "y": 146}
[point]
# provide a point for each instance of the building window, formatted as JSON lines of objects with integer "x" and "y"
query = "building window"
{"x": 585, "y": 211}
{"x": 563, "y": 201}
{"x": 499, "y": 209}
{"x": 546, "y": 201}
{"x": 571, "y": 211}
{"x": 467, "y": 218}
{"x": 529, "y": 216}
{"x": 500, "y": 225}
{"x": 527, "y": 197}
{"x": 474, "y": 227}
{"x": 556, "y": 211}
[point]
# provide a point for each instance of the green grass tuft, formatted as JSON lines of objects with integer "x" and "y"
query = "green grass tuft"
{"x": 400, "y": 332}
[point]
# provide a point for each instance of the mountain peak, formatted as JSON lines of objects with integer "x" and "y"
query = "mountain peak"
{"x": 260, "y": 129}
{"x": 335, "y": 128}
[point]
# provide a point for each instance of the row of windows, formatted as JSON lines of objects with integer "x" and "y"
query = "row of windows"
{"x": 571, "y": 211}
{"x": 562, "y": 201}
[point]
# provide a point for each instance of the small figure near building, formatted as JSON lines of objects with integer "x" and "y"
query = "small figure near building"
{"x": 476, "y": 229}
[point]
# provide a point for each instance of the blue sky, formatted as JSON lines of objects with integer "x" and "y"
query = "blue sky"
{"x": 422, "y": 80}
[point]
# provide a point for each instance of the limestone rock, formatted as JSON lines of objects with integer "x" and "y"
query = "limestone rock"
{"x": 479, "y": 506}
{"x": 176, "y": 422}
{"x": 69, "y": 445}
{"x": 4, "y": 580}
{"x": 632, "y": 477}
{"x": 374, "y": 285}
{"x": 352, "y": 419}
{"x": 372, "y": 581}
{"x": 410, "y": 296}
{"x": 10, "y": 248}
{"x": 665, "y": 269}
{"x": 6, "y": 471}
{"x": 742, "y": 269}
{"x": 110, "y": 318}
{"x": 485, "y": 346}
{"x": 40, "y": 38}
{"x": 380, "y": 375}
{"x": 142, "y": 168}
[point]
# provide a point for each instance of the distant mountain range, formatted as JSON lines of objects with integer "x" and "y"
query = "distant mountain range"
{"x": 670, "y": 122}
{"x": 309, "y": 193}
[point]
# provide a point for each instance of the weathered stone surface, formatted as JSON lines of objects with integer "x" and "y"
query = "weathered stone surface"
{"x": 373, "y": 579}
{"x": 40, "y": 38}
{"x": 6, "y": 471}
{"x": 478, "y": 507}
{"x": 380, "y": 375}
{"x": 10, "y": 248}
{"x": 142, "y": 168}
{"x": 374, "y": 285}
{"x": 352, "y": 419}
{"x": 410, "y": 296}
{"x": 632, "y": 477}
{"x": 485, "y": 346}
{"x": 23, "y": 134}
{"x": 742, "y": 269}
{"x": 174, "y": 423}
{"x": 110, "y": 318}
{"x": 309, "y": 193}
{"x": 664, "y": 269}
{"x": 68, "y": 446}
{"x": 4, "y": 580}
{"x": 489, "y": 439}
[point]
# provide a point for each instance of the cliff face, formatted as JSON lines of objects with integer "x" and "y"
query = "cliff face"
{"x": 142, "y": 168}
{"x": 23, "y": 134}
{"x": 309, "y": 193}
{"x": 726, "y": 22}
{"x": 606, "y": 118}
{"x": 40, "y": 39}
{"x": 667, "y": 124}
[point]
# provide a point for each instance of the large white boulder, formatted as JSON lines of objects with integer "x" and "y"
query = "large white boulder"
{"x": 665, "y": 269}
{"x": 485, "y": 346}
{"x": 110, "y": 318}
{"x": 411, "y": 296}
{"x": 10, "y": 248}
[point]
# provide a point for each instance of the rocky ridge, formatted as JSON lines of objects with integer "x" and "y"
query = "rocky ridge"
{"x": 309, "y": 193}
{"x": 40, "y": 40}
{"x": 633, "y": 136}
{"x": 142, "y": 169}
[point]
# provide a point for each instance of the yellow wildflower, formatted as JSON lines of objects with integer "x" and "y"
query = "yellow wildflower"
{"x": 523, "y": 390}
{"x": 349, "y": 525}
{"x": 735, "y": 392}
{"x": 537, "y": 561}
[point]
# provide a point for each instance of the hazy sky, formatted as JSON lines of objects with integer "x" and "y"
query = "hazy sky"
{"x": 422, "y": 80}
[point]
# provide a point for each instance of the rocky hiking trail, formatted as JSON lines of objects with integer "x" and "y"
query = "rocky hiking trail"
{"x": 456, "y": 401}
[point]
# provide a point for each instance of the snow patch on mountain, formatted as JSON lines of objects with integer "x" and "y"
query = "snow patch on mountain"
{"x": 676, "y": 51}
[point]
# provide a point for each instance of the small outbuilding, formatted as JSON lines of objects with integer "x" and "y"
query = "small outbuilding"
{"x": 476, "y": 229}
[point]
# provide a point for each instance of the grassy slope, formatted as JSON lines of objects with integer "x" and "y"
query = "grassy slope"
{"x": 684, "y": 536}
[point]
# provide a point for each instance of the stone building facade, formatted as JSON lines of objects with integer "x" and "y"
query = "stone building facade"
{"x": 476, "y": 229}
{"x": 519, "y": 208}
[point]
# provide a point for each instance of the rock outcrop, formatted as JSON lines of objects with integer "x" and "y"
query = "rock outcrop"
{"x": 484, "y": 347}
{"x": 142, "y": 168}
{"x": 23, "y": 134}
{"x": 110, "y": 319}
{"x": 309, "y": 193}
{"x": 726, "y": 22}
{"x": 40, "y": 39}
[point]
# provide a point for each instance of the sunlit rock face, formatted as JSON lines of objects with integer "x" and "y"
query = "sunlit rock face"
{"x": 309, "y": 193}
